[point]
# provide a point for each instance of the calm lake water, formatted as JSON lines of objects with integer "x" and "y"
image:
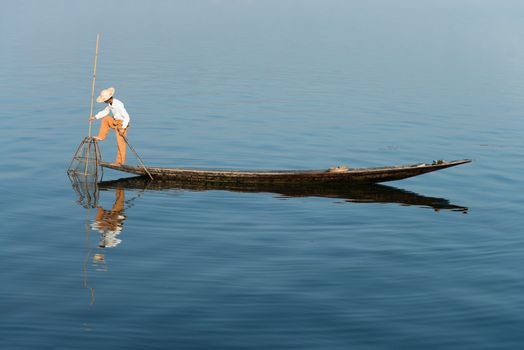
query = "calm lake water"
{"x": 433, "y": 262}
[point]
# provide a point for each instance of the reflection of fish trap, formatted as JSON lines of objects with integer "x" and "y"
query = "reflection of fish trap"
{"x": 86, "y": 159}
{"x": 86, "y": 187}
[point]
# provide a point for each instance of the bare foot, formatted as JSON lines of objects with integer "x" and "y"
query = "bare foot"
{"x": 116, "y": 164}
{"x": 96, "y": 138}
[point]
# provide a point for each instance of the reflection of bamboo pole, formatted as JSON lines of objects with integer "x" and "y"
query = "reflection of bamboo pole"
{"x": 86, "y": 260}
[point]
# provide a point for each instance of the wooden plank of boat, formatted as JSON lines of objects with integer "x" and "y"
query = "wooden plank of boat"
{"x": 351, "y": 175}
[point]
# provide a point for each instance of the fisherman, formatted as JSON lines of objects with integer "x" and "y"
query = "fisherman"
{"x": 119, "y": 121}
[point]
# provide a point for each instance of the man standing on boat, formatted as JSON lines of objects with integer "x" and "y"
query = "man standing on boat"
{"x": 119, "y": 121}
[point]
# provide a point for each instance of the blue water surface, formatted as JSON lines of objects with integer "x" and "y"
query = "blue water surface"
{"x": 432, "y": 262}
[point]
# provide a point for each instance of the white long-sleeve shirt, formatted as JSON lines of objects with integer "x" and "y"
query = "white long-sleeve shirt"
{"x": 118, "y": 110}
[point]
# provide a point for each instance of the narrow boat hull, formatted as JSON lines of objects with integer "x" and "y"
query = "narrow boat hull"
{"x": 350, "y": 176}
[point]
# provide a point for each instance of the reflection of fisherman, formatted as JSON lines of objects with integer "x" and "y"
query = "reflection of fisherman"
{"x": 110, "y": 222}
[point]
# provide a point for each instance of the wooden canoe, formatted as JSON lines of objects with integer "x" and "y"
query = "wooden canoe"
{"x": 325, "y": 176}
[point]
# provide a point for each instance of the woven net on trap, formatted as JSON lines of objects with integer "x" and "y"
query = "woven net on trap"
{"x": 87, "y": 158}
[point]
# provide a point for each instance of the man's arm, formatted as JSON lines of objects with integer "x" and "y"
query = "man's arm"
{"x": 101, "y": 114}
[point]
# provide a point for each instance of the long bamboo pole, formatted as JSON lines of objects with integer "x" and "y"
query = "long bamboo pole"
{"x": 91, "y": 108}
{"x": 93, "y": 84}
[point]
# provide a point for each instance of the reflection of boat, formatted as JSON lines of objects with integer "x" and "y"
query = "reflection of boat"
{"x": 332, "y": 175}
{"x": 370, "y": 193}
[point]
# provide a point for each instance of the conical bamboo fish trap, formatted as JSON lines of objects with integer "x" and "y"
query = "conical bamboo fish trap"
{"x": 86, "y": 160}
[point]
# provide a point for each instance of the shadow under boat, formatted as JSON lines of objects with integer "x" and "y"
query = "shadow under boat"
{"x": 370, "y": 193}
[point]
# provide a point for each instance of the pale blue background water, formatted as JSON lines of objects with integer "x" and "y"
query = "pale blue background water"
{"x": 266, "y": 84}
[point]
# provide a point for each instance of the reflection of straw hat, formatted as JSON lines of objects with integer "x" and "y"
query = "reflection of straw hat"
{"x": 99, "y": 258}
{"x": 105, "y": 95}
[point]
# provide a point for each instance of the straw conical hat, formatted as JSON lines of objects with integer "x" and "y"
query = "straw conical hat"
{"x": 105, "y": 95}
